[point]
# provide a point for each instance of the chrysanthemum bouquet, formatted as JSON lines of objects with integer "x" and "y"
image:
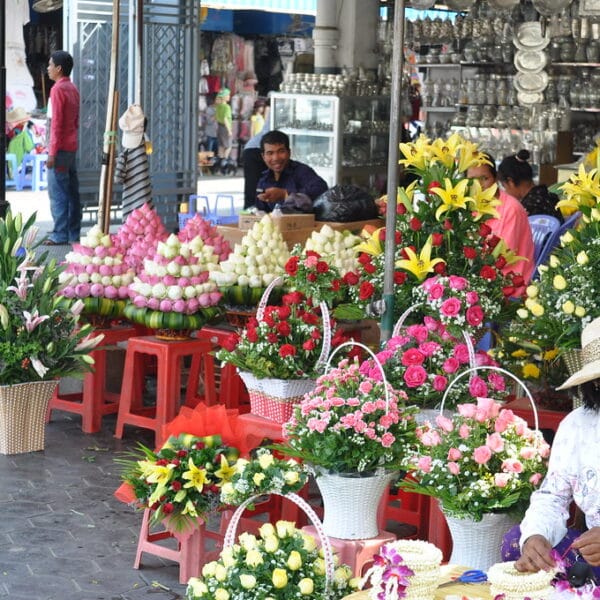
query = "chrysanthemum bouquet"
{"x": 350, "y": 423}
{"x": 41, "y": 337}
{"x": 484, "y": 459}
{"x": 183, "y": 480}
{"x": 263, "y": 474}
{"x": 441, "y": 228}
{"x": 285, "y": 343}
{"x": 281, "y": 564}
{"x": 423, "y": 359}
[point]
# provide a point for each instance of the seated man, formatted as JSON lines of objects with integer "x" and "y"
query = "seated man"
{"x": 284, "y": 176}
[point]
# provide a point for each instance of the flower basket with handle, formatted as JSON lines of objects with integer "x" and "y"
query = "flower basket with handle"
{"x": 477, "y": 542}
{"x": 274, "y": 398}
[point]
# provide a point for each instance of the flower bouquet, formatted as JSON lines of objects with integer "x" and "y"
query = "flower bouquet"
{"x": 181, "y": 482}
{"x": 282, "y": 563}
{"x": 263, "y": 474}
{"x": 441, "y": 228}
{"x": 354, "y": 432}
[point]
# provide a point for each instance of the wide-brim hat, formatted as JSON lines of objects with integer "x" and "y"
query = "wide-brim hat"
{"x": 132, "y": 124}
{"x": 17, "y": 115}
{"x": 590, "y": 356}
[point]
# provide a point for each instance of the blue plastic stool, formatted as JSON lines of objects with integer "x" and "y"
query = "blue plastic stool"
{"x": 38, "y": 179}
{"x": 211, "y": 212}
{"x": 11, "y": 159}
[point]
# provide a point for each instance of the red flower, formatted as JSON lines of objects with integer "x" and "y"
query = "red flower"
{"x": 309, "y": 345}
{"x": 415, "y": 224}
{"x": 229, "y": 343}
{"x": 508, "y": 291}
{"x": 292, "y": 298}
{"x": 440, "y": 268}
{"x": 518, "y": 280}
{"x": 350, "y": 278}
{"x": 366, "y": 290}
{"x": 284, "y": 328}
{"x": 176, "y": 462}
{"x": 312, "y": 253}
{"x": 272, "y": 338}
{"x": 312, "y": 277}
{"x": 364, "y": 258}
{"x": 168, "y": 508}
{"x": 162, "y": 462}
{"x": 437, "y": 239}
{"x": 322, "y": 267}
{"x": 370, "y": 268}
{"x": 400, "y": 209}
{"x": 291, "y": 266}
{"x": 287, "y": 350}
{"x": 470, "y": 253}
{"x": 434, "y": 184}
{"x": 493, "y": 241}
{"x": 284, "y": 312}
{"x": 412, "y": 357}
{"x": 336, "y": 284}
{"x": 448, "y": 225}
{"x": 176, "y": 485}
{"x": 484, "y": 230}
{"x": 488, "y": 272}
{"x": 399, "y": 277}
{"x": 310, "y": 318}
{"x": 182, "y": 453}
{"x": 315, "y": 334}
{"x": 251, "y": 335}
{"x": 500, "y": 262}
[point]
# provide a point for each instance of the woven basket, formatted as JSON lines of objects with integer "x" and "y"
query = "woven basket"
{"x": 574, "y": 362}
{"x": 229, "y": 539}
{"x": 274, "y": 399}
{"x": 23, "y": 409}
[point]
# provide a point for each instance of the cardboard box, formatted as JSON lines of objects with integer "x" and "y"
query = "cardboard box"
{"x": 294, "y": 222}
{"x": 354, "y": 226}
{"x": 234, "y": 235}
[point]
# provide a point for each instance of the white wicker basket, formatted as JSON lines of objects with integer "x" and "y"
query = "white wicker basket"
{"x": 229, "y": 539}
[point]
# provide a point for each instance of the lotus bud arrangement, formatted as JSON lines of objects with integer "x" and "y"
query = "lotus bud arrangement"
{"x": 338, "y": 248}
{"x": 199, "y": 227}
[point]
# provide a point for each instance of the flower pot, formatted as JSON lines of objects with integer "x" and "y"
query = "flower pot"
{"x": 476, "y": 544}
{"x": 350, "y": 502}
{"x": 23, "y": 409}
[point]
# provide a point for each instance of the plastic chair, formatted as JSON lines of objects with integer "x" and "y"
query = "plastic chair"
{"x": 542, "y": 226}
{"x": 211, "y": 211}
{"x": 38, "y": 178}
{"x": 12, "y": 176}
{"x": 553, "y": 240}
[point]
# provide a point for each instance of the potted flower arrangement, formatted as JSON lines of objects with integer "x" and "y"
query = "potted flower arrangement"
{"x": 280, "y": 352}
{"x": 354, "y": 432}
{"x": 440, "y": 229}
{"x": 281, "y": 563}
{"x": 482, "y": 465}
{"x": 182, "y": 481}
{"x": 41, "y": 336}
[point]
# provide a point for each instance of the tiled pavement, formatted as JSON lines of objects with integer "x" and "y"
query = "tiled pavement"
{"x": 63, "y": 535}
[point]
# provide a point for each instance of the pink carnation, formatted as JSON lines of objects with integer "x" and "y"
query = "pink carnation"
{"x": 429, "y": 348}
{"x": 431, "y": 438}
{"x": 461, "y": 353}
{"x": 481, "y": 455}
{"x": 440, "y": 383}
{"x": 311, "y": 261}
{"x": 365, "y": 387}
{"x": 387, "y": 439}
{"x": 477, "y": 387}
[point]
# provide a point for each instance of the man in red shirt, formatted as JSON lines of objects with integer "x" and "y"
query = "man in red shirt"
{"x": 63, "y": 184}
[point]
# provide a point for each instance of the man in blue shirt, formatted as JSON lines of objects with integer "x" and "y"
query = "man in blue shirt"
{"x": 284, "y": 176}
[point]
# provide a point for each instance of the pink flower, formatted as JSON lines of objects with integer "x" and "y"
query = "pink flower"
{"x": 454, "y": 454}
{"x": 418, "y": 332}
{"x": 535, "y": 478}
{"x": 424, "y": 464}
{"x": 386, "y": 421}
{"x": 466, "y": 410}
{"x": 431, "y": 438}
{"x": 474, "y": 316}
{"x": 370, "y": 433}
{"x": 457, "y": 283}
{"x": 436, "y": 291}
{"x": 412, "y": 357}
{"x": 444, "y": 423}
{"x": 365, "y": 387}
{"x": 439, "y": 383}
{"x": 461, "y": 353}
{"x": 512, "y": 465}
{"x": 497, "y": 382}
{"x": 453, "y": 468}
{"x": 450, "y": 307}
{"x": 464, "y": 431}
{"x": 311, "y": 261}
{"x": 429, "y": 348}
{"x": 450, "y": 365}
{"x": 481, "y": 455}
{"x": 415, "y": 376}
{"x": 527, "y": 452}
{"x": 501, "y": 479}
{"x": 369, "y": 407}
{"x": 489, "y": 407}
{"x": 472, "y": 298}
{"x": 430, "y": 323}
{"x": 477, "y": 387}
{"x": 387, "y": 439}
{"x": 495, "y": 442}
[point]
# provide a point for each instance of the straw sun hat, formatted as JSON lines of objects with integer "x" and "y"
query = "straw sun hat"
{"x": 17, "y": 115}
{"x": 590, "y": 356}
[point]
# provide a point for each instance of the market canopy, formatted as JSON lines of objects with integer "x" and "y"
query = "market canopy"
{"x": 304, "y": 7}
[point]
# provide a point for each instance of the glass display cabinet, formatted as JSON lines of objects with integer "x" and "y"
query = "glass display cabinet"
{"x": 343, "y": 138}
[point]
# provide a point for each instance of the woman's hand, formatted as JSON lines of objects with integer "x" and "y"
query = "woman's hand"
{"x": 536, "y": 555}
{"x": 588, "y": 545}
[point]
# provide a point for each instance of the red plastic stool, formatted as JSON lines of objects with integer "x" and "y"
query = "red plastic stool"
{"x": 169, "y": 355}
{"x": 231, "y": 390}
{"x": 94, "y": 401}
{"x": 357, "y": 554}
{"x": 191, "y": 552}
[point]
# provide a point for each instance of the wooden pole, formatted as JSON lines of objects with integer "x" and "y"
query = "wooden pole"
{"x": 105, "y": 190}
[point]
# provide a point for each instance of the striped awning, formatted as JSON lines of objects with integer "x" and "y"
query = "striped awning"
{"x": 304, "y": 7}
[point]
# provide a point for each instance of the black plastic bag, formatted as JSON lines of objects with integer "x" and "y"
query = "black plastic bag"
{"x": 345, "y": 203}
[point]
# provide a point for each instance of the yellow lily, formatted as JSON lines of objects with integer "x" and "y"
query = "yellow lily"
{"x": 502, "y": 249}
{"x": 372, "y": 245}
{"x": 581, "y": 189}
{"x": 453, "y": 197}
{"x": 485, "y": 200}
{"x": 405, "y": 196}
{"x": 469, "y": 156}
{"x": 226, "y": 472}
{"x": 420, "y": 265}
{"x": 156, "y": 473}
{"x": 446, "y": 151}
{"x": 416, "y": 154}
{"x": 196, "y": 477}
{"x": 190, "y": 509}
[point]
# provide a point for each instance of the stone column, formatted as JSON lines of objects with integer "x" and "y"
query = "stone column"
{"x": 357, "y": 25}
{"x": 326, "y": 36}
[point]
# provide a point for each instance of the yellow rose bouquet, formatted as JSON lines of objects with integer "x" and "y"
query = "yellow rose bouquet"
{"x": 281, "y": 563}
{"x": 263, "y": 474}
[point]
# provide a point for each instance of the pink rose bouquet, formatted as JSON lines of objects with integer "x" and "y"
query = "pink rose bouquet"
{"x": 423, "y": 360}
{"x": 345, "y": 425}
{"x": 484, "y": 459}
